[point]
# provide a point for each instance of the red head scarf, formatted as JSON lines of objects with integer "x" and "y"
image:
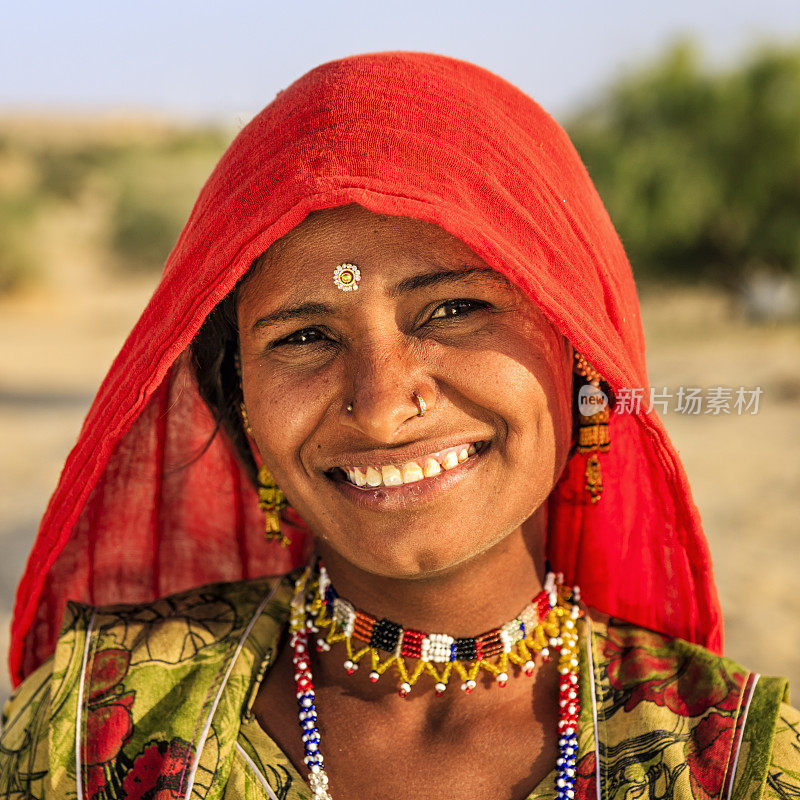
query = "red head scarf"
{"x": 137, "y": 514}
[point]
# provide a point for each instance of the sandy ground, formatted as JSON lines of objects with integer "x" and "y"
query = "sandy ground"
{"x": 744, "y": 469}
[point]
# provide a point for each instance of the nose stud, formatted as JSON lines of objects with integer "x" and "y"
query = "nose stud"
{"x": 418, "y": 400}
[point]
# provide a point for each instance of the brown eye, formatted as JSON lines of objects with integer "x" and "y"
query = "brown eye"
{"x": 305, "y": 336}
{"x": 457, "y": 308}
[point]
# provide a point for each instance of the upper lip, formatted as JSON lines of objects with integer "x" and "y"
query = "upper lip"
{"x": 401, "y": 455}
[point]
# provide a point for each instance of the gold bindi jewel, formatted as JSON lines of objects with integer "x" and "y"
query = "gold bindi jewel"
{"x": 346, "y": 277}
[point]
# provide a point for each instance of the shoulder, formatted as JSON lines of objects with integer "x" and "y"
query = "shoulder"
{"x": 699, "y": 717}
{"x": 23, "y": 743}
{"x": 188, "y": 632}
{"x": 139, "y": 681}
{"x": 640, "y": 665}
{"x": 204, "y": 613}
{"x": 783, "y": 772}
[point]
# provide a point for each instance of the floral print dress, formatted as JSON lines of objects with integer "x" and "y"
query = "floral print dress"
{"x": 152, "y": 702}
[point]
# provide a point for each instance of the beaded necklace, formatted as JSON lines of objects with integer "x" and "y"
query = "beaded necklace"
{"x": 547, "y": 623}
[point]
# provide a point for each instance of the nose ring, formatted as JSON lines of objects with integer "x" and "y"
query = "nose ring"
{"x": 421, "y": 404}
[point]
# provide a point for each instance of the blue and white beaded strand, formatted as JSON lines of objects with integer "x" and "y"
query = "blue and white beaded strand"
{"x": 307, "y": 710}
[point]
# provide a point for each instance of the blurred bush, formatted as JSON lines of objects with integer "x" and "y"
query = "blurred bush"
{"x": 155, "y": 188}
{"x": 18, "y": 208}
{"x": 700, "y": 168}
{"x": 143, "y": 231}
{"x": 17, "y": 260}
{"x": 125, "y": 188}
{"x": 63, "y": 171}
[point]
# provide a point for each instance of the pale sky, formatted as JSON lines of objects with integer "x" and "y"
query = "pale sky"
{"x": 228, "y": 59}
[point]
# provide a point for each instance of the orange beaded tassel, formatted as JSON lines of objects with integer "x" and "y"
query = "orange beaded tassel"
{"x": 593, "y": 435}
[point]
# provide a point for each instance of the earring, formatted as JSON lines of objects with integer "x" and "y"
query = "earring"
{"x": 245, "y": 420}
{"x": 271, "y": 500}
{"x": 593, "y": 434}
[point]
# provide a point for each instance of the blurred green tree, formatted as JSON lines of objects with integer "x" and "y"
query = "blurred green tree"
{"x": 143, "y": 231}
{"x": 17, "y": 262}
{"x": 154, "y": 187}
{"x": 700, "y": 169}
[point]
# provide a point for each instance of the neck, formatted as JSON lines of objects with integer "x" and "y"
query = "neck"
{"x": 465, "y": 600}
{"x": 434, "y": 603}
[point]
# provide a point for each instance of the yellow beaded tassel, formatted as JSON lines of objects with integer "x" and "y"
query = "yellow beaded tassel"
{"x": 271, "y": 500}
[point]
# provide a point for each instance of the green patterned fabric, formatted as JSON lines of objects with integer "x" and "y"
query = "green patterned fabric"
{"x": 153, "y": 702}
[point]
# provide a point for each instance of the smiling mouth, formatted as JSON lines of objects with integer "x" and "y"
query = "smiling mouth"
{"x": 428, "y": 466}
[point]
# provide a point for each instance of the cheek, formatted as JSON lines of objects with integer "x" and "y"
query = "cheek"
{"x": 549, "y": 360}
{"x": 525, "y": 383}
{"x": 284, "y": 409}
{"x": 555, "y": 376}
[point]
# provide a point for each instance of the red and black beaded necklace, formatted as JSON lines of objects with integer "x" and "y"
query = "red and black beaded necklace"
{"x": 547, "y": 624}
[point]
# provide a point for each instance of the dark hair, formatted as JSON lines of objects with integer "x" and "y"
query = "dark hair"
{"x": 214, "y": 357}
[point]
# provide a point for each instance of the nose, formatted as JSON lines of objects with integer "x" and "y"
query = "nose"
{"x": 387, "y": 380}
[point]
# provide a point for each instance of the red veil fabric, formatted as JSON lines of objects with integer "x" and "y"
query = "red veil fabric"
{"x": 137, "y": 514}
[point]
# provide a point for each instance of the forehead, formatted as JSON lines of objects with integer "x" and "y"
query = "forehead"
{"x": 385, "y": 248}
{"x": 346, "y": 229}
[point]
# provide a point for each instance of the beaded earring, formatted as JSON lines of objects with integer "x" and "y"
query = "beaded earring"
{"x": 271, "y": 499}
{"x": 593, "y": 435}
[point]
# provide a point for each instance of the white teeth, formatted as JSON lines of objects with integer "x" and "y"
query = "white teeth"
{"x": 412, "y": 472}
{"x": 450, "y": 460}
{"x": 431, "y": 468}
{"x": 391, "y": 475}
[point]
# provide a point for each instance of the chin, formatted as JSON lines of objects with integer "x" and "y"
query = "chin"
{"x": 429, "y": 554}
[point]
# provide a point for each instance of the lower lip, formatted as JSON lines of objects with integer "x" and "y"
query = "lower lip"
{"x": 406, "y": 495}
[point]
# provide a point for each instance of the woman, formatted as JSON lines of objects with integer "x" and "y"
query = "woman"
{"x": 382, "y": 305}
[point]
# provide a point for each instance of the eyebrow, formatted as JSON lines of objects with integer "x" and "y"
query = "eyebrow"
{"x": 422, "y": 281}
{"x": 428, "y": 279}
{"x": 302, "y": 311}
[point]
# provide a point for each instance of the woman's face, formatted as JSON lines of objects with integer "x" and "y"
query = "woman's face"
{"x": 429, "y": 318}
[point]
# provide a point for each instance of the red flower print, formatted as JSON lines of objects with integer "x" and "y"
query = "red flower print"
{"x": 707, "y": 748}
{"x": 108, "y": 727}
{"x": 109, "y": 667}
{"x": 95, "y": 780}
{"x": 644, "y": 665}
{"x": 158, "y": 771}
{"x": 109, "y": 722}
{"x": 586, "y": 775}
